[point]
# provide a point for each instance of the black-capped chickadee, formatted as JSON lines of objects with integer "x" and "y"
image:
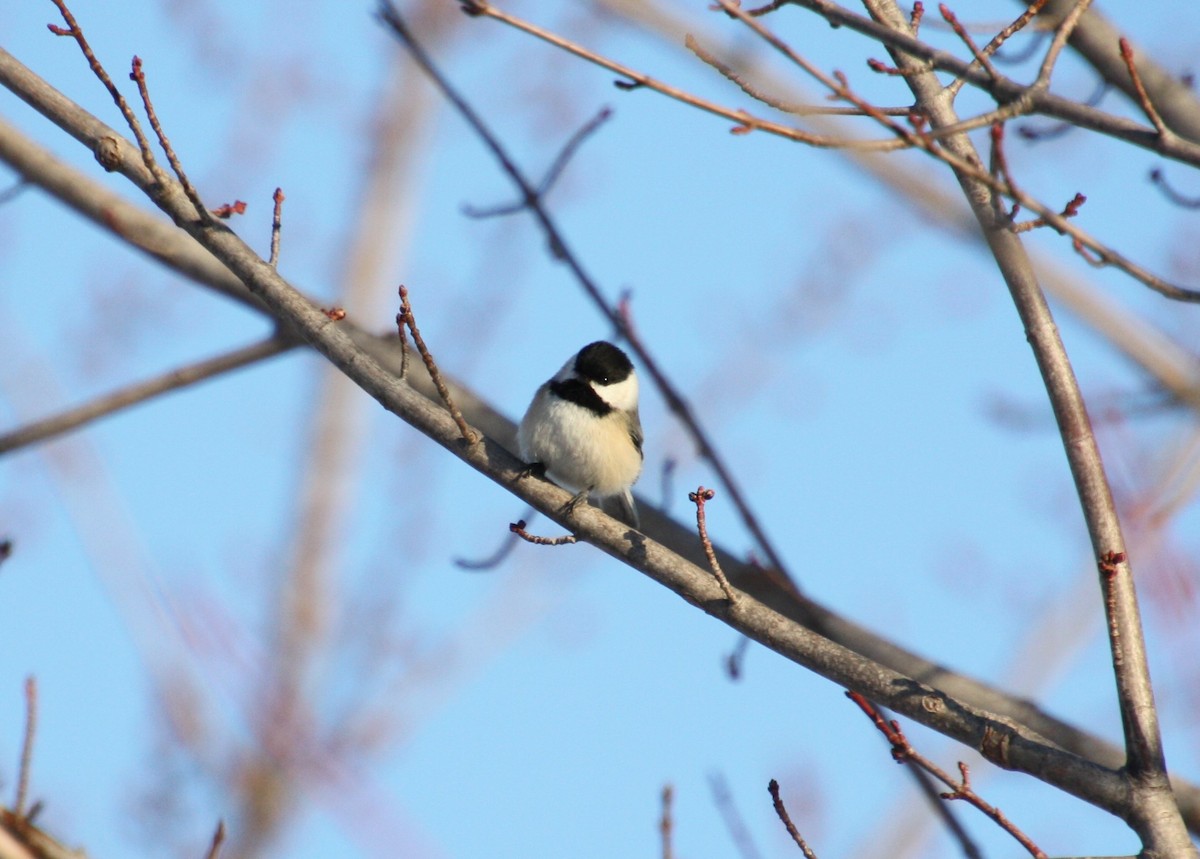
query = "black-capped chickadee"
{"x": 582, "y": 428}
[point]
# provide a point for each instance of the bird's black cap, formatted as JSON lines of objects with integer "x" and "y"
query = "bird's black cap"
{"x": 603, "y": 363}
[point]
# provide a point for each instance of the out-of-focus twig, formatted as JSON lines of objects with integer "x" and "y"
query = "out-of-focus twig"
{"x": 739, "y": 833}
{"x": 26, "y": 767}
{"x": 665, "y": 822}
{"x": 173, "y": 380}
{"x": 218, "y": 838}
{"x": 1140, "y": 90}
{"x": 555, "y": 170}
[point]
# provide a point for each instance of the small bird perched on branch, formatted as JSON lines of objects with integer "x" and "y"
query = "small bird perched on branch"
{"x": 582, "y": 429}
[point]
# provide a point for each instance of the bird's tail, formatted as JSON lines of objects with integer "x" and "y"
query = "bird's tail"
{"x": 621, "y": 506}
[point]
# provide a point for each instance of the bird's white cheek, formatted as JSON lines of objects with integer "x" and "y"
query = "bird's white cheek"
{"x": 623, "y": 396}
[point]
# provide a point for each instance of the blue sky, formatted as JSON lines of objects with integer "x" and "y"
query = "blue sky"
{"x": 848, "y": 358}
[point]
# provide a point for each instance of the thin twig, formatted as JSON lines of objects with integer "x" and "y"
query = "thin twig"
{"x": 276, "y": 226}
{"x": 139, "y": 77}
{"x": 700, "y": 497}
{"x": 773, "y": 6}
{"x": 1070, "y": 210}
{"x": 568, "y": 151}
{"x": 903, "y": 752}
{"x": 1025, "y": 53}
{"x": 1158, "y": 178}
{"x": 469, "y": 435}
{"x": 1140, "y": 88}
{"x": 218, "y": 838}
{"x": 1012, "y": 29}
{"x": 680, "y": 407}
{"x": 116, "y": 401}
{"x": 31, "y": 720}
{"x": 981, "y": 58}
{"x": 20, "y": 186}
{"x": 1007, "y": 90}
{"x": 915, "y": 17}
{"x": 736, "y": 659}
{"x": 781, "y": 810}
{"x": 76, "y": 32}
{"x": 518, "y": 528}
{"x": 739, "y": 833}
{"x": 1061, "y": 34}
{"x": 741, "y": 118}
{"x": 999, "y": 168}
{"x": 402, "y": 333}
{"x": 1054, "y": 130}
{"x": 730, "y": 74}
{"x": 836, "y": 83}
{"x": 665, "y": 823}
{"x": 929, "y": 789}
{"x": 994, "y": 45}
{"x": 1050, "y": 131}
{"x": 556, "y": 168}
{"x": 497, "y": 557}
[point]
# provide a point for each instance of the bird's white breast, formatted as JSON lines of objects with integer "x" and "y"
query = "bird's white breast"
{"x": 578, "y": 448}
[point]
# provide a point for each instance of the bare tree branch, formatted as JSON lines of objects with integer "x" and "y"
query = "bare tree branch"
{"x": 1154, "y": 816}
{"x": 172, "y": 380}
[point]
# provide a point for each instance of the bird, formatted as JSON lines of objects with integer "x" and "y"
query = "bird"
{"x": 582, "y": 430}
